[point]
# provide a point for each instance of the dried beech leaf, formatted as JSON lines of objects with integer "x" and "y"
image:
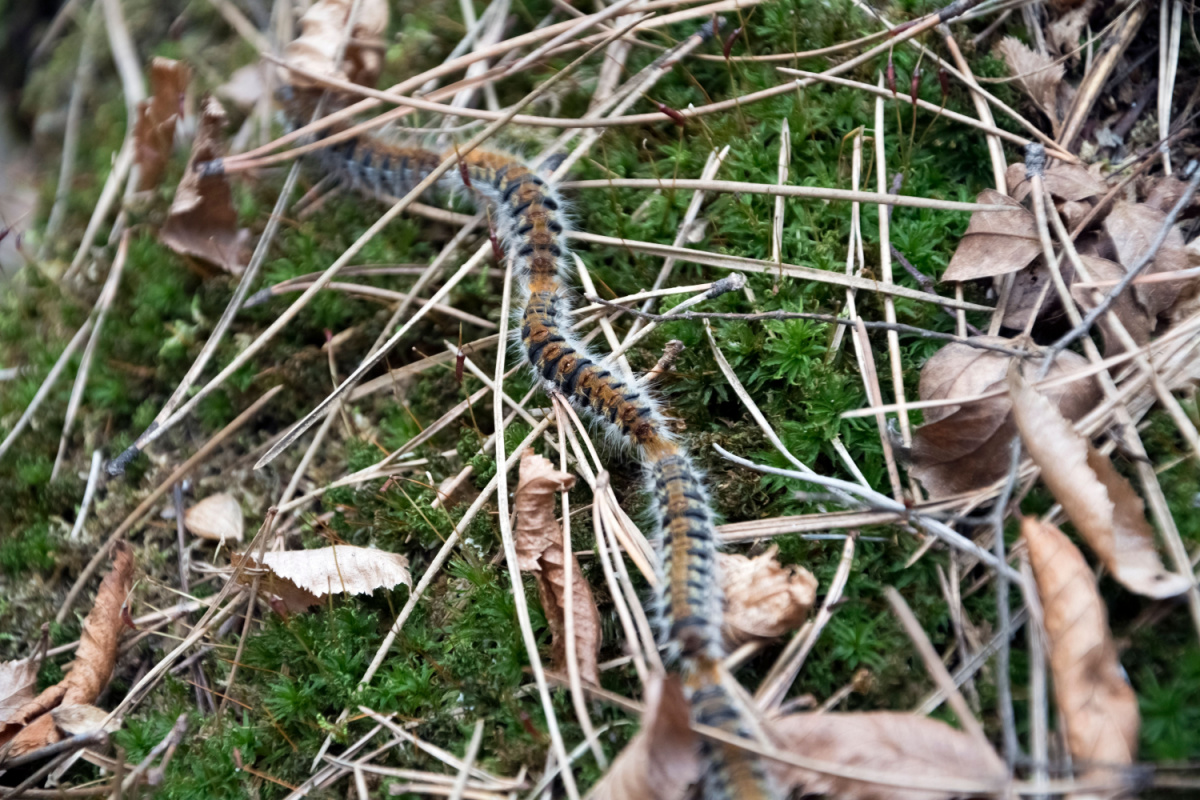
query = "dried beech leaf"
{"x": 996, "y": 242}
{"x": 763, "y": 599}
{"x": 1073, "y": 212}
{"x": 1035, "y": 73}
{"x": 1026, "y": 298}
{"x": 94, "y": 662}
{"x": 321, "y": 31}
{"x": 82, "y": 718}
{"x": 1165, "y": 192}
{"x": 1096, "y": 707}
{"x": 302, "y": 577}
{"x": 154, "y": 131}
{"x": 1132, "y": 227}
{"x": 1100, "y": 503}
{"x": 1065, "y": 181}
{"x": 1063, "y": 34}
{"x": 17, "y": 679}
{"x": 962, "y": 448}
{"x": 217, "y": 518}
{"x": 540, "y": 551}
{"x": 245, "y": 86}
{"x": 663, "y": 759}
{"x": 1128, "y": 310}
{"x": 904, "y": 746}
{"x": 202, "y": 221}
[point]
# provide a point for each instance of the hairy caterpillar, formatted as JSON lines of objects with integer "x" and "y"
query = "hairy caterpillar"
{"x": 531, "y": 223}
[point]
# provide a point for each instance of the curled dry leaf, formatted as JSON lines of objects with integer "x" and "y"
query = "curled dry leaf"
{"x": 202, "y": 221}
{"x": 83, "y": 718}
{"x": 663, "y": 759}
{"x": 1128, "y": 310}
{"x": 540, "y": 551}
{"x": 321, "y": 31}
{"x": 1100, "y": 503}
{"x": 245, "y": 86}
{"x": 763, "y": 599}
{"x": 1132, "y": 227}
{"x": 1063, "y": 33}
{"x": 17, "y": 679}
{"x": 1096, "y": 707}
{"x": 901, "y": 745}
{"x": 1037, "y": 74}
{"x": 961, "y": 448}
{"x": 302, "y": 577}
{"x": 996, "y": 242}
{"x": 154, "y": 131}
{"x": 217, "y": 518}
{"x": 1072, "y": 182}
{"x": 31, "y": 726}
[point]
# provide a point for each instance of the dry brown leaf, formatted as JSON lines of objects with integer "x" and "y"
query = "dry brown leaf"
{"x": 1132, "y": 227}
{"x": 540, "y": 551}
{"x": 245, "y": 86}
{"x": 321, "y": 30}
{"x": 1036, "y": 73}
{"x": 996, "y": 242}
{"x": 17, "y": 679}
{"x": 217, "y": 518}
{"x": 1097, "y": 708}
{"x": 202, "y": 221}
{"x": 82, "y": 718}
{"x": 663, "y": 759}
{"x": 899, "y": 744}
{"x": 1100, "y": 503}
{"x": 1128, "y": 310}
{"x": 302, "y": 577}
{"x": 1065, "y": 181}
{"x": 154, "y": 131}
{"x": 1026, "y": 298}
{"x": 1063, "y": 33}
{"x": 964, "y": 448}
{"x": 30, "y": 727}
{"x": 763, "y": 599}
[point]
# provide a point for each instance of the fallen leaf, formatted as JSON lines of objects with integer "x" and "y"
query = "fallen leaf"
{"x": 763, "y": 599}
{"x": 1036, "y": 73}
{"x": 217, "y": 518}
{"x": 540, "y": 551}
{"x": 202, "y": 221}
{"x": 961, "y": 448}
{"x": 245, "y": 86}
{"x": 321, "y": 31}
{"x": 901, "y": 745}
{"x": 302, "y": 577}
{"x": 1128, "y": 310}
{"x": 17, "y": 679}
{"x": 31, "y": 727}
{"x": 996, "y": 242}
{"x": 1100, "y": 503}
{"x": 1063, "y": 33}
{"x": 154, "y": 130}
{"x": 1026, "y": 297}
{"x": 1096, "y": 707}
{"x": 663, "y": 759}
{"x": 1132, "y": 227}
{"x": 1064, "y": 181}
{"x": 83, "y": 718}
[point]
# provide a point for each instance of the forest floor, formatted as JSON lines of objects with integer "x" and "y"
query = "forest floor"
{"x": 264, "y": 692}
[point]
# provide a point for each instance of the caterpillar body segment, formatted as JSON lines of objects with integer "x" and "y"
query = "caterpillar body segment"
{"x": 530, "y": 219}
{"x": 689, "y": 611}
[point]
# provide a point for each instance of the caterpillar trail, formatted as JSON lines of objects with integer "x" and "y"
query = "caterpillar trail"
{"x": 530, "y": 220}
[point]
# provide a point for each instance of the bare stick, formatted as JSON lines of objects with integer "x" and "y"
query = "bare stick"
{"x": 88, "y": 493}
{"x": 107, "y": 294}
{"x": 44, "y": 390}
{"x": 460, "y": 783}
{"x": 935, "y": 667}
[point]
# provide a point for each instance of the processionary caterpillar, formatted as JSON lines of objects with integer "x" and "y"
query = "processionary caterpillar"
{"x": 531, "y": 222}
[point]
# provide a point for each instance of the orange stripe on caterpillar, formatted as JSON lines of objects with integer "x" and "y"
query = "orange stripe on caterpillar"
{"x": 731, "y": 773}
